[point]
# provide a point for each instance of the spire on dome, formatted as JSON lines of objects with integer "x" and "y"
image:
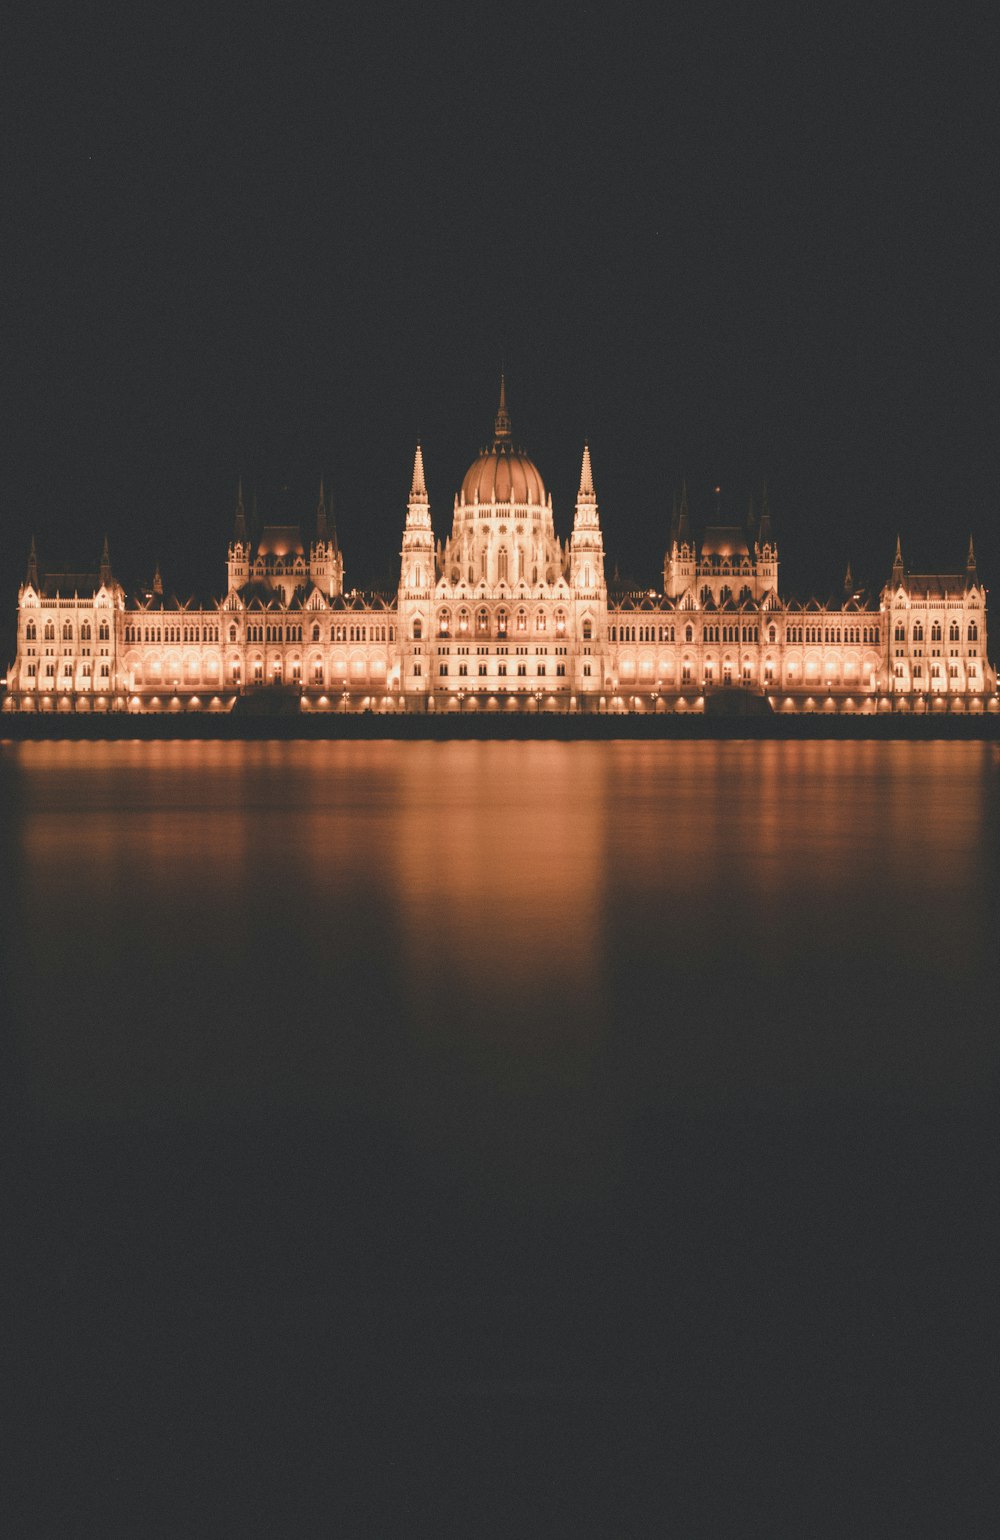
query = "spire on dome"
{"x": 158, "y": 581}
{"x": 105, "y": 562}
{"x": 32, "y": 573}
{"x": 501, "y": 423}
{"x": 586, "y": 477}
{"x": 897, "y": 564}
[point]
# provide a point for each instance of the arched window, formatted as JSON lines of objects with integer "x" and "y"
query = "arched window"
{"x": 85, "y": 631}
{"x": 689, "y": 633}
{"x": 502, "y": 565}
{"x": 973, "y": 631}
{"x": 482, "y": 622}
{"x": 444, "y": 622}
{"x": 772, "y": 634}
{"x": 50, "y": 631}
{"x": 521, "y": 622}
{"x": 588, "y": 630}
{"x": 501, "y": 622}
{"x": 67, "y": 634}
{"x": 418, "y": 630}
{"x": 29, "y": 631}
{"x": 540, "y": 621}
{"x": 936, "y": 631}
{"x": 560, "y": 622}
{"x": 103, "y": 634}
{"x": 232, "y": 633}
{"x": 315, "y": 633}
{"x": 900, "y": 633}
{"x": 706, "y": 594}
{"x": 953, "y": 631}
{"x": 463, "y": 620}
{"x": 918, "y": 632}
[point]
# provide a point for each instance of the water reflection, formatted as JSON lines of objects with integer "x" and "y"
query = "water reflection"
{"x": 444, "y": 930}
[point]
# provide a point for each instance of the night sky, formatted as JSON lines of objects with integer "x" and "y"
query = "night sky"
{"x": 278, "y": 243}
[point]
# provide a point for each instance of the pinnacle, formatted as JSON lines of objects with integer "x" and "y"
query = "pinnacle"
{"x": 586, "y": 475}
{"x": 418, "y": 487}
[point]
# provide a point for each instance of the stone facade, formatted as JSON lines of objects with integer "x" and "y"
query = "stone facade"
{"x": 502, "y": 616}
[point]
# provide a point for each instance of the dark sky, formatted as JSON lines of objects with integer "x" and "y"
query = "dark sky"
{"x": 278, "y": 242}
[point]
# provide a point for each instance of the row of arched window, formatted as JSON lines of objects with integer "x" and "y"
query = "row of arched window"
{"x": 954, "y": 633}
{"x": 462, "y": 622}
{"x": 49, "y": 632}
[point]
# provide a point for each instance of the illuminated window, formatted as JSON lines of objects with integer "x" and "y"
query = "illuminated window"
{"x": 521, "y": 621}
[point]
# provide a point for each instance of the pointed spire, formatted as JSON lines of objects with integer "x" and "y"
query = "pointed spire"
{"x": 321, "y": 513}
{"x": 897, "y": 564}
{"x": 32, "y": 573}
{"x": 239, "y": 522}
{"x": 586, "y": 491}
{"x": 105, "y": 562}
{"x": 848, "y": 582}
{"x": 764, "y": 536}
{"x": 673, "y": 519}
{"x": 418, "y": 487}
{"x": 750, "y": 516}
{"x": 971, "y": 558}
{"x": 501, "y": 423}
{"x": 158, "y": 582}
{"x": 683, "y": 522}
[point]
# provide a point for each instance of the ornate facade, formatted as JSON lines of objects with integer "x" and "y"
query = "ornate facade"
{"x": 502, "y": 615}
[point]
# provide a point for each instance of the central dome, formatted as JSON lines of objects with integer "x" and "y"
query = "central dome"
{"x": 503, "y": 474}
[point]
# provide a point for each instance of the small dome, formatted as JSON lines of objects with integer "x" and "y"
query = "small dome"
{"x": 499, "y": 472}
{"x": 503, "y": 470}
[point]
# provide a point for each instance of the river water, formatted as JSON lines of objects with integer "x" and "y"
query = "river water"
{"x": 502, "y": 1138}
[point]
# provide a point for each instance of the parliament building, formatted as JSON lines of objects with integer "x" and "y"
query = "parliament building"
{"x": 502, "y": 615}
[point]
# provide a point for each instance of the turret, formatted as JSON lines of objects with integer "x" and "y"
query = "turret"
{"x": 897, "y": 565}
{"x": 678, "y": 569}
{"x": 239, "y": 546}
{"x": 31, "y": 576}
{"x": 326, "y": 563}
{"x": 586, "y": 543}
{"x": 416, "y": 584}
{"x": 590, "y": 590}
{"x": 766, "y": 550}
{"x": 105, "y": 564}
{"x": 970, "y": 566}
